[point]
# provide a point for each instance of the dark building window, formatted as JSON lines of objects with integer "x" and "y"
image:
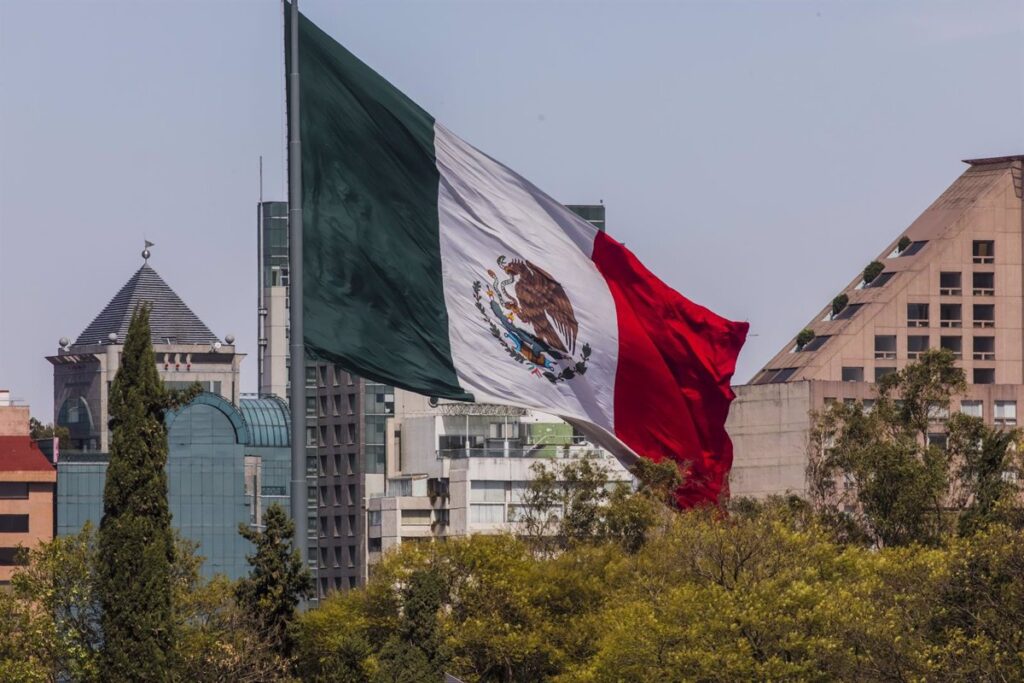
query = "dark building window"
{"x": 13, "y": 489}
{"x": 10, "y": 557}
{"x": 816, "y": 343}
{"x": 938, "y": 440}
{"x": 984, "y": 251}
{"x": 14, "y": 524}
{"x": 882, "y": 372}
{"x": 917, "y": 315}
{"x": 984, "y": 348}
{"x": 916, "y": 345}
{"x": 885, "y": 346}
{"x": 848, "y": 312}
{"x": 984, "y": 376}
{"x": 954, "y": 344}
{"x": 950, "y": 315}
{"x": 983, "y": 284}
{"x": 373, "y": 545}
{"x": 984, "y": 315}
{"x": 950, "y": 284}
{"x": 853, "y": 374}
{"x": 776, "y": 376}
{"x": 880, "y": 281}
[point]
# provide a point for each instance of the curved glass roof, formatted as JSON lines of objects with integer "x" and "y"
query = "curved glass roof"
{"x": 268, "y": 420}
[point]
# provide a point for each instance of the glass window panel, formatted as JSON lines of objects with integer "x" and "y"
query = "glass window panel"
{"x": 972, "y": 408}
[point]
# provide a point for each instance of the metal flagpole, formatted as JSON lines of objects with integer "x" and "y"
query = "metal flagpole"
{"x": 297, "y": 371}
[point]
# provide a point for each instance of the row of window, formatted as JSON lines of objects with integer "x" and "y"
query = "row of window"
{"x": 331, "y": 405}
{"x": 13, "y": 490}
{"x": 951, "y": 315}
{"x": 337, "y": 530}
{"x": 326, "y": 584}
{"x": 338, "y": 556}
{"x": 336, "y": 460}
{"x": 325, "y": 375}
{"x": 983, "y": 347}
{"x": 982, "y": 284}
{"x": 338, "y": 499}
{"x": 322, "y": 436}
{"x": 1004, "y": 413}
{"x": 13, "y": 524}
{"x": 856, "y": 374}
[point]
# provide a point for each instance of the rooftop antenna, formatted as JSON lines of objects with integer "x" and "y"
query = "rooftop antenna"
{"x": 145, "y": 251}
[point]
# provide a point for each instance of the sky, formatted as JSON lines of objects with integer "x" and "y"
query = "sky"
{"x": 755, "y": 155}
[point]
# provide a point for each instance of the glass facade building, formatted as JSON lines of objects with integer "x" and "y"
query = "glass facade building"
{"x": 225, "y": 466}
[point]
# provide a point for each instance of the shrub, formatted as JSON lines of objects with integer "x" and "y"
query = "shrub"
{"x": 804, "y": 338}
{"x": 871, "y": 271}
{"x": 903, "y": 243}
{"x": 839, "y": 303}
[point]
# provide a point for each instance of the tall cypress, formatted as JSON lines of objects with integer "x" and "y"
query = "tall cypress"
{"x": 136, "y": 545}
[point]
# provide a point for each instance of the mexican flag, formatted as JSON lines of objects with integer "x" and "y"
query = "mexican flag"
{"x": 433, "y": 267}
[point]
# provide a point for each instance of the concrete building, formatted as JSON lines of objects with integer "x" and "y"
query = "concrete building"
{"x": 953, "y": 279}
{"x": 27, "y": 483}
{"x": 186, "y": 351}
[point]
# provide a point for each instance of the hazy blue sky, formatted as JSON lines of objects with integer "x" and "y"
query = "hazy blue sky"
{"x": 754, "y": 154}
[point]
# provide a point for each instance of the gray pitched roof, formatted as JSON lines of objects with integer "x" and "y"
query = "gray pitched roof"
{"x": 170, "y": 319}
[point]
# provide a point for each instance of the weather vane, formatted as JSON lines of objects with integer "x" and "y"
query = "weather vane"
{"x": 145, "y": 252}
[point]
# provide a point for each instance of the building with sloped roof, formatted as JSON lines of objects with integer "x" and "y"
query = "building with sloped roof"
{"x": 954, "y": 279}
{"x": 186, "y": 352}
{"x": 27, "y": 482}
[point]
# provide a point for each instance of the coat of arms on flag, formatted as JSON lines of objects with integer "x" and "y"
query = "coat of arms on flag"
{"x": 531, "y": 316}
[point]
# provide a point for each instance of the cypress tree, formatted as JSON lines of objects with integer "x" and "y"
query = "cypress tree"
{"x": 136, "y": 545}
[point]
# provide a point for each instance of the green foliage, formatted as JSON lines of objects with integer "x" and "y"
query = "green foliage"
{"x": 416, "y": 651}
{"x": 839, "y": 303}
{"x": 804, "y": 337}
{"x": 903, "y": 243}
{"x": 872, "y": 270}
{"x": 37, "y": 430}
{"x": 136, "y": 546}
{"x": 278, "y": 580}
{"x": 901, "y": 489}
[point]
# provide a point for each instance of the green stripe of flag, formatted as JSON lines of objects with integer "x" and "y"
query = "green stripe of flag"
{"x": 374, "y": 298}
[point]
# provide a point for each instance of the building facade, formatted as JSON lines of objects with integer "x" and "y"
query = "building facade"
{"x": 954, "y": 279}
{"x": 228, "y": 454}
{"x": 27, "y": 481}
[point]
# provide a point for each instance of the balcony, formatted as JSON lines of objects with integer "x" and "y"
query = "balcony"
{"x": 950, "y": 284}
{"x": 950, "y": 315}
{"x": 983, "y": 284}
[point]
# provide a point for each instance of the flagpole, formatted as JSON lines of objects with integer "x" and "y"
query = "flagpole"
{"x": 297, "y": 371}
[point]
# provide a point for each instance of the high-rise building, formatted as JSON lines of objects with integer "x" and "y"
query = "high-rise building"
{"x": 351, "y": 427}
{"x": 954, "y": 279}
{"x": 27, "y": 481}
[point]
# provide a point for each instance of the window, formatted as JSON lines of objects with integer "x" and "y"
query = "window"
{"x": 13, "y": 489}
{"x": 416, "y": 517}
{"x": 351, "y": 463}
{"x": 350, "y": 433}
{"x": 950, "y": 284}
{"x": 776, "y": 376}
{"x": 853, "y": 374}
{"x": 813, "y": 345}
{"x": 984, "y": 376}
{"x": 916, "y": 345}
{"x": 984, "y": 315}
{"x": 337, "y": 556}
{"x": 937, "y": 413}
{"x": 868, "y": 404}
{"x": 337, "y": 525}
{"x": 984, "y": 284}
{"x": 351, "y": 525}
{"x": 885, "y": 346}
{"x": 373, "y": 517}
{"x": 310, "y": 376}
{"x": 323, "y": 376}
{"x": 972, "y": 408}
{"x": 1006, "y": 413}
{"x": 311, "y": 406}
{"x": 13, "y": 524}
{"x": 954, "y": 344}
{"x": 337, "y": 440}
{"x": 323, "y": 560}
{"x": 373, "y": 545}
{"x": 938, "y": 440}
{"x": 913, "y": 248}
{"x": 950, "y": 315}
{"x": 351, "y": 404}
{"x": 351, "y": 494}
{"x": 323, "y": 527}
{"x": 880, "y": 281}
{"x": 984, "y": 251}
{"x": 882, "y": 372}
{"x": 917, "y": 315}
{"x": 486, "y": 514}
{"x": 984, "y": 348}
{"x": 848, "y": 312}
{"x": 338, "y": 500}
{"x": 487, "y": 492}
{"x": 352, "y": 556}
{"x": 10, "y": 557}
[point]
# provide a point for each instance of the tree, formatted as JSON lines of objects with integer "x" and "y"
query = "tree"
{"x": 804, "y": 337}
{"x": 839, "y": 303}
{"x": 416, "y": 651}
{"x": 136, "y": 544}
{"x": 278, "y": 580}
{"x": 872, "y": 270}
{"x": 37, "y": 430}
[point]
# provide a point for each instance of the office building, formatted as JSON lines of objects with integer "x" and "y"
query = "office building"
{"x": 954, "y": 279}
{"x": 27, "y": 481}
